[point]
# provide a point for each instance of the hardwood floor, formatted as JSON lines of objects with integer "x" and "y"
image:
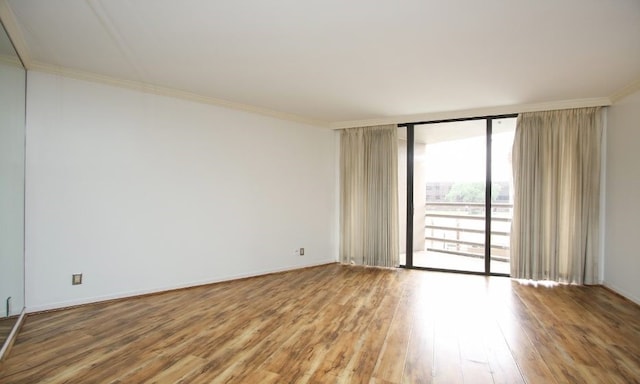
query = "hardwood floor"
{"x": 338, "y": 323}
{"x": 6, "y": 325}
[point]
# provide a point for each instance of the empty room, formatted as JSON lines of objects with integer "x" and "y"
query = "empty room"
{"x": 410, "y": 191}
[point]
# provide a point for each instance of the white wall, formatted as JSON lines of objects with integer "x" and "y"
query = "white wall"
{"x": 622, "y": 246}
{"x": 142, "y": 193}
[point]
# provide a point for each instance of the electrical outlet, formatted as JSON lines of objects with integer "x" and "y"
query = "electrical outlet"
{"x": 76, "y": 278}
{"x": 301, "y": 251}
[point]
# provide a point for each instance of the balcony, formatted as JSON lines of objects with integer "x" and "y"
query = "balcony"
{"x": 454, "y": 237}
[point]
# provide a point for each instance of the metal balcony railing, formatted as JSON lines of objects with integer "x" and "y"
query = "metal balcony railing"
{"x": 458, "y": 228}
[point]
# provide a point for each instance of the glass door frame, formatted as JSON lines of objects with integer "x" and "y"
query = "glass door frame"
{"x": 488, "y": 183}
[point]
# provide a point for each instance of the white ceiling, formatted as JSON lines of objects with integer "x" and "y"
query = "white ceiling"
{"x": 337, "y": 61}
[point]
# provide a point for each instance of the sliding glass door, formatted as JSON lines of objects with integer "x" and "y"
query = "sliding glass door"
{"x": 449, "y": 218}
{"x": 502, "y": 134}
{"x": 449, "y": 195}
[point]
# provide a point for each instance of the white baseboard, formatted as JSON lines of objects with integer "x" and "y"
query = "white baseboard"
{"x": 622, "y": 292}
{"x": 122, "y": 295}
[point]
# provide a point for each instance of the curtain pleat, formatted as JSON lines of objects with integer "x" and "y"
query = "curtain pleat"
{"x": 368, "y": 196}
{"x": 556, "y": 168}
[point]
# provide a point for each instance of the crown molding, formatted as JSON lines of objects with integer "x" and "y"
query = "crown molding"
{"x": 171, "y": 92}
{"x": 455, "y": 114}
{"x": 632, "y": 87}
{"x": 8, "y": 19}
{"x": 489, "y": 111}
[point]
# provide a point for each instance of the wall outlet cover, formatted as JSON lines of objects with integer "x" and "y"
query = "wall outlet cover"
{"x": 76, "y": 279}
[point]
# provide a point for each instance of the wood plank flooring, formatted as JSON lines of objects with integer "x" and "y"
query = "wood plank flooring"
{"x": 339, "y": 324}
{"x": 6, "y": 325}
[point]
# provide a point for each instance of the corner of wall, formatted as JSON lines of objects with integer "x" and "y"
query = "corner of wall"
{"x": 622, "y": 208}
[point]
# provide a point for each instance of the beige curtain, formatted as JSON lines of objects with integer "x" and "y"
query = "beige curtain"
{"x": 369, "y": 196}
{"x": 556, "y": 168}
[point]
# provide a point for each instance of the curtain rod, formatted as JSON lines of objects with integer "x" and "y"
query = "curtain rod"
{"x": 459, "y": 119}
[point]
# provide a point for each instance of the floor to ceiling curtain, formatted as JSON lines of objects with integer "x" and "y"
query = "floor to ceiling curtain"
{"x": 556, "y": 175}
{"x": 369, "y": 196}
